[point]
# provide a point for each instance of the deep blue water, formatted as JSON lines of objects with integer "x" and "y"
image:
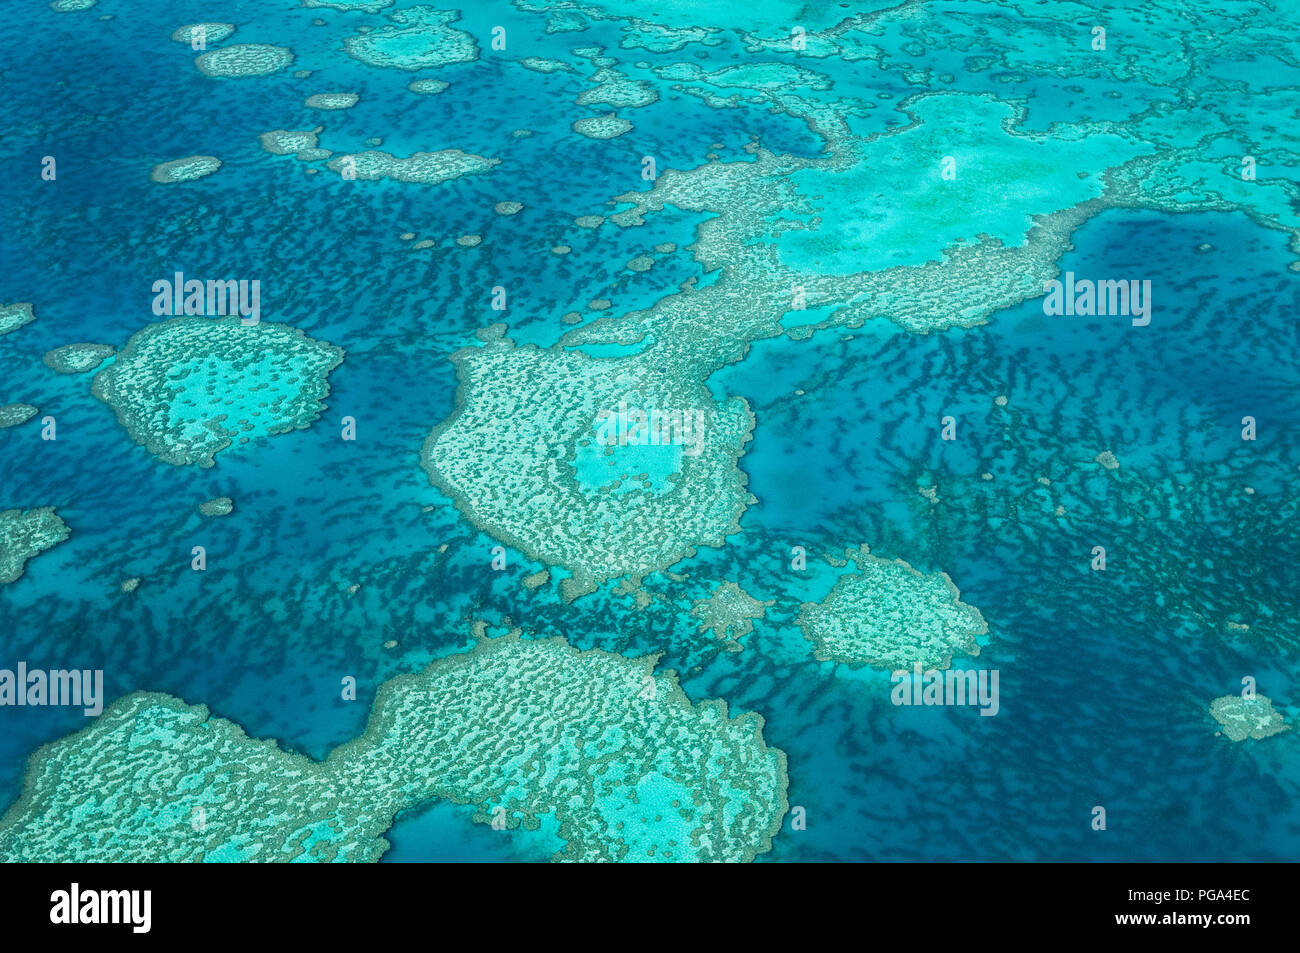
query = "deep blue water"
{"x": 1106, "y": 677}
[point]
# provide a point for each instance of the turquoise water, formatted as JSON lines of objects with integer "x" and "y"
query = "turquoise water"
{"x": 1107, "y": 677}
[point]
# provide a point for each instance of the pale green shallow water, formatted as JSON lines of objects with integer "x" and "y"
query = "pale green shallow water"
{"x": 914, "y": 298}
